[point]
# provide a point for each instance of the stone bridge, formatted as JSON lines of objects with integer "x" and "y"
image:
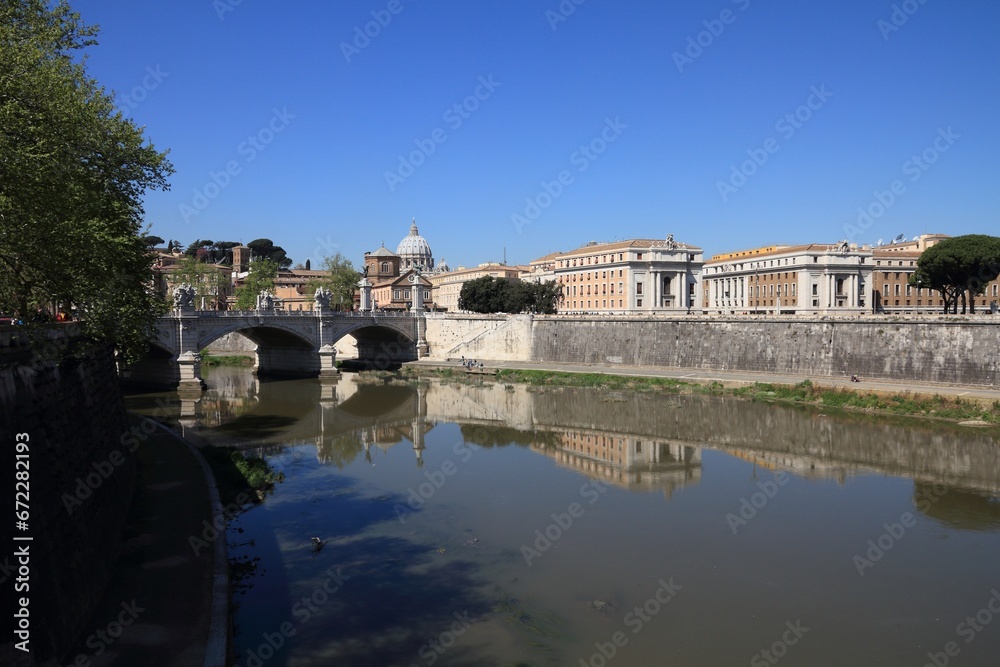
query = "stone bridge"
{"x": 289, "y": 343}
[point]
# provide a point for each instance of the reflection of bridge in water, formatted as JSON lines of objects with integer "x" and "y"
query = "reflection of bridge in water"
{"x": 641, "y": 441}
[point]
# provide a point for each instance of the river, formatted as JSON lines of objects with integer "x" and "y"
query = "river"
{"x": 476, "y": 523}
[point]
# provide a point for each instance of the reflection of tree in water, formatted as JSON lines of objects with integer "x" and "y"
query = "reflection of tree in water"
{"x": 501, "y": 436}
{"x": 956, "y": 508}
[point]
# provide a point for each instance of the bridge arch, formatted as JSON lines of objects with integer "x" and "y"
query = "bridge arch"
{"x": 271, "y": 333}
{"x": 281, "y": 349}
{"x": 380, "y": 345}
{"x": 157, "y": 367}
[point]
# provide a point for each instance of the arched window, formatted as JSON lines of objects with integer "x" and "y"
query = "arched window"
{"x": 385, "y": 267}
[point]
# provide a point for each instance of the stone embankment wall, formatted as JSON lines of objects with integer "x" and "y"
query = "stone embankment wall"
{"x": 82, "y": 475}
{"x": 494, "y": 337}
{"x": 925, "y": 349}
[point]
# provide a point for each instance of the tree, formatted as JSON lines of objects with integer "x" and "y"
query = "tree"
{"x": 957, "y": 267}
{"x": 192, "y": 250}
{"x": 73, "y": 173}
{"x": 151, "y": 241}
{"x": 341, "y": 280}
{"x": 500, "y": 295}
{"x": 482, "y": 295}
{"x": 260, "y": 277}
{"x": 265, "y": 248}
{"x": 547, "y": 297}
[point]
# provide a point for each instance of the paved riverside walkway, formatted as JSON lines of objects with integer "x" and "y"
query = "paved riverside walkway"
{"x": 161, "y": 592}
{"x": 728, "y": 377}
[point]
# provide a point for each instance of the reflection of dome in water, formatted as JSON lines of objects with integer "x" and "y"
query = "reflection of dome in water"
{"x": 414, "y": 249}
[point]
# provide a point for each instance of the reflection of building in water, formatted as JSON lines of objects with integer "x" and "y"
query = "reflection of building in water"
{"x": 809, "y": 467}
{"x": 630, "y": 462}
{"x": 374, "y": 441}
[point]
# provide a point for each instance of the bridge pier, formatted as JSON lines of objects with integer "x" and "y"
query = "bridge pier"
{"x": 328, "y": 361}
{"x": 189, "y": 371}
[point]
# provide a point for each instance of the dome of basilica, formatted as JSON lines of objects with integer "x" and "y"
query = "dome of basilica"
{"x": 414, "y": 249}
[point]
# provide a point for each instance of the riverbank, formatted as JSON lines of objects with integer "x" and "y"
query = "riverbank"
{"x": 965, "y": 405}
{"x": 172, "y": 575}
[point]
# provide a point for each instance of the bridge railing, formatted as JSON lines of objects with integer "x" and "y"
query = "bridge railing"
{"x": 297, "y": 313}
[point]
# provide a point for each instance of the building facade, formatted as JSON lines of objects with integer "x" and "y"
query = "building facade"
{"x": 399, "y": 278}
{"x": 778, "y": 279}
{"x": 634, "y": 276}
{"x": 892, "y": 292}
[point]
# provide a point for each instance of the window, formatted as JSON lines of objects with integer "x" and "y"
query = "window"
{"x": 897, "y": 290}
{"x": 793, "y": 289}
{"x": 885, "y": 290}
{"x": 397, "y": 295}
{"x": 815, "y": 289}
{"x": 385, "y": 267}
{"x": 620, "y": 290}
{"x": 638, "y": 256}
{"x": 909, "y": 291}
{"x": 779, "y": 290}
{"x": 638, "y": 288}
{"x": 638, "y": 303}
{"x": 619, "y": 303}
{"x": 612, "y": 288}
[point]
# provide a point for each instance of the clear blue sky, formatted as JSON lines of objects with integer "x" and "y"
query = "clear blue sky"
{"x": 320, "y": 185}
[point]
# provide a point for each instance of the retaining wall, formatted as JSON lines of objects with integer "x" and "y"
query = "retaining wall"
{"x": 81, "y": 480}
{"x": 944, "y": 350}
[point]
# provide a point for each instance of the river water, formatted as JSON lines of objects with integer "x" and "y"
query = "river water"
{"x": 489, "y": 524}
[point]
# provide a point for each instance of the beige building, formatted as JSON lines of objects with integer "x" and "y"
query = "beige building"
{"x": 781, "y": 279}
{"x": 634, "y": 276}
{"x": 825, "y": 279}
{"x": 896, "y": 262}
{"x": 447, "y": 287}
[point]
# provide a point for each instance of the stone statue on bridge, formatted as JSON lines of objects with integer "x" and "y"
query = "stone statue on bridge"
{"x": 265, "y": 300}
{"x": 322, "y": 297}
{"x": 184, "y": 296}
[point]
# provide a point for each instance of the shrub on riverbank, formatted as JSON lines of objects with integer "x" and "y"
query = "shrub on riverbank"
{"x": 237, "y": 474}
